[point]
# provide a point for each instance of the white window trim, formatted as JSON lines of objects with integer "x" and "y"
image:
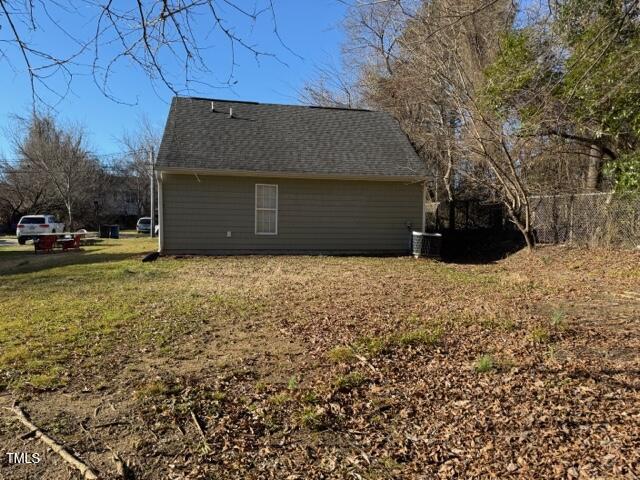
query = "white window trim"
{"x": 255, "y": 211}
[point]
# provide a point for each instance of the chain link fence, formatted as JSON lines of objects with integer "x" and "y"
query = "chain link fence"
{"x": 602, "y": 219}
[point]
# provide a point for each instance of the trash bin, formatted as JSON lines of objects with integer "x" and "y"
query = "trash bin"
{"x": 109, "y": 231}
{"x": 426, "y": 244}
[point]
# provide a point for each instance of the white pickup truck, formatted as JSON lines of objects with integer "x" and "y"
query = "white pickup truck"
{"x": 30, "y": 226}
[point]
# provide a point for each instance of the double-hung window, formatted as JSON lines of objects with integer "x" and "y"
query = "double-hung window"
{"x": 266, "y": 209}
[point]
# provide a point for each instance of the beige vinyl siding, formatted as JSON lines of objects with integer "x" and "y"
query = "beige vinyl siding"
{"x": 314, "y": 216}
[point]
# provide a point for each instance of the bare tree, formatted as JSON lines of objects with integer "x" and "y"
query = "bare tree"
{"x": 156, "y": 36}
{"x": 135, "y": 167}
{"x": 332, "y": 87}
{"x": 58, "y": 157}
{"x": 372, "y": 33}
{"x": 425, "y": 64}
{"x": 502, "y": 99}
{"x": 446, "y": 50}
{"x": 22, "y": 190}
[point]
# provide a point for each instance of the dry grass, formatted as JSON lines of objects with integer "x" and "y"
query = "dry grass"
{"x": 361, "y": 367}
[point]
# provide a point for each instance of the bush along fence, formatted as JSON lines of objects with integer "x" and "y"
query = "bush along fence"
{"x": 464, "y": 215}
{"x": 595, "y": 219}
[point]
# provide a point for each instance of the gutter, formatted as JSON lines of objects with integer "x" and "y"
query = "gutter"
{"x": 275, "y": 174}
{"x": 159, "y": 178}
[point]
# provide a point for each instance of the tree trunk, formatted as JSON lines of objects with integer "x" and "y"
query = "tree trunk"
{"x": 528, "y": 238}
{"x": 594, "y": 169}
{"x": 524, "y": 228}
{"x": 447, "y": 185}
{"x": 69, "y": 217}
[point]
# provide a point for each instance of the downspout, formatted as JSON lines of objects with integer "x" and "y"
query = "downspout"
{"x": 160, "y": 213}
{"x": 424, "y": 202}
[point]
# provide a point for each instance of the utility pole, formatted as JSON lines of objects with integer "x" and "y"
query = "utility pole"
{"x": 153, "y": 194}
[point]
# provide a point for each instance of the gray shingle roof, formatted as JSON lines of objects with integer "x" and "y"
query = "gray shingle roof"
{"x": 285, "y": 139}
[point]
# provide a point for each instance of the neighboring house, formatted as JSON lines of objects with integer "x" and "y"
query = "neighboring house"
{"x": 243, "y": 177}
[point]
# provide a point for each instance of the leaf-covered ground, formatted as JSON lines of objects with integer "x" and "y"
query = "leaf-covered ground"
{"x": 321, "y": 367}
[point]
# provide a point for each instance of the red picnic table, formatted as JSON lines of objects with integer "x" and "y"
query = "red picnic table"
{"x": 47, "y": 242}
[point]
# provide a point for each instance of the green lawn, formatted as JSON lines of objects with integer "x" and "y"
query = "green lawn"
{"x": 57, "y": 305}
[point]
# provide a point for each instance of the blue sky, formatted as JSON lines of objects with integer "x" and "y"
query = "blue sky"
{"x": 311, "y": 28}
